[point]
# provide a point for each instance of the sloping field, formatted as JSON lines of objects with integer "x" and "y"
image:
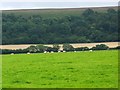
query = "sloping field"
{"x": 98, "y": 69}
{"x": 110, "y": 44}
{"x": 51, "y": 13}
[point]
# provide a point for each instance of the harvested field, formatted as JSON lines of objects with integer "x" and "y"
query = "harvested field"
{"x": 23, "y": 46}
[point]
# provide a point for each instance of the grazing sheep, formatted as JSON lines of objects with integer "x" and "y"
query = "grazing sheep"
{"x": 28, "y": 53}
{"x": 59, "y": 51}
{"x": 52, "y": 52}
{"x": 12, "y": 53}
{"x": 90, "y": 50}
{"x": 45, "y": 51}
{"x": 64, "y": 51}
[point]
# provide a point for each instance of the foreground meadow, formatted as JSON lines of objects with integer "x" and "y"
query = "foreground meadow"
{"x": 97, "y": 69}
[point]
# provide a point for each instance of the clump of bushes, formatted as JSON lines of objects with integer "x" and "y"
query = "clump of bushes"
{"x": 82, "y": 49}
{"x": 68, "y": 47}
{"x": 118, "y": 47}
{"x": 55, "y": 48}
{"x": 100, "y": 47}
{"x": 7, "y": 51}
{"x": 37, "y": 49}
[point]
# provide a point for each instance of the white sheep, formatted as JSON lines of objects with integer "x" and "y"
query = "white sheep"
{"x": 28, "y": 53}
{"x": 45, "y": 51}
{"x": 64, "y": 51}
{"x": 58, "y": 51}
{"x": 12, "y": 53}
{"x": 52, "y": 52}
{"x": 90, "y": 50}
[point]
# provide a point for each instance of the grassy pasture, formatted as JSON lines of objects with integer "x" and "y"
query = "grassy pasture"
{"x": 97, "y": 69}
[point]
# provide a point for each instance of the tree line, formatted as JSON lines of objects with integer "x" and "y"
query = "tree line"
{"x": 90, "y": 26}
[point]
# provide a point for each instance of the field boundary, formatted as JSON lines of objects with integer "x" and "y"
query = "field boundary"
{"x": 75, "y": 45}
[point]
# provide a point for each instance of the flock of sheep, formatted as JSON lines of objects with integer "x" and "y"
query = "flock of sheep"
{"x": 50, "y": 52}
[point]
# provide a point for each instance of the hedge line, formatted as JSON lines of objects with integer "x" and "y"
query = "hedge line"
{"x": 55, "y": 48}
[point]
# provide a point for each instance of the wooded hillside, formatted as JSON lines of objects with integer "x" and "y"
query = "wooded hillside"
{"x": 60, "y": 26}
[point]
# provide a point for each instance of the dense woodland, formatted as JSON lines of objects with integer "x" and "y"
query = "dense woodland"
{"x": 89, "y": 26}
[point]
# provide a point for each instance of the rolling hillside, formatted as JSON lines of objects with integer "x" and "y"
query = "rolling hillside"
{"x": 49, "y": 13}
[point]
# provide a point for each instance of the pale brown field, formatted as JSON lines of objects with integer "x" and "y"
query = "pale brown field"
{"x": 75, "y": 45}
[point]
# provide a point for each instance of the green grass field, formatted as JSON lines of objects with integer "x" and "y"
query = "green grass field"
{"x": 97, "y": 69}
